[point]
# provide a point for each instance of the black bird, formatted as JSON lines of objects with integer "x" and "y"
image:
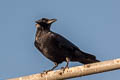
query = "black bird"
{"x": 57, "y": 48}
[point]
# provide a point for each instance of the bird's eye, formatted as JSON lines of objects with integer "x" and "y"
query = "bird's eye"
{"x": 43, "y": 20}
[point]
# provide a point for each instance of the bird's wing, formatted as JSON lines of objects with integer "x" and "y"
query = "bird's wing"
{"x": 63, "y": 43}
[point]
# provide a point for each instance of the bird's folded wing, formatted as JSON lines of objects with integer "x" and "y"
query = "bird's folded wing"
{"x": 63, "y": 43}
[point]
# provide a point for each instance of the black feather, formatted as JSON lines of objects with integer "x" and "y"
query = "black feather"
{"x": 57, "y": 48}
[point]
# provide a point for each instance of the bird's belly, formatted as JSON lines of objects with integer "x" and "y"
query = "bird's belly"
{"x": 53, "y": 54}
{"x": 51, "y": 51}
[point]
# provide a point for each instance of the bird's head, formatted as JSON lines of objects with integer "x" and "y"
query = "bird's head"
{"x": 44, "y": 23}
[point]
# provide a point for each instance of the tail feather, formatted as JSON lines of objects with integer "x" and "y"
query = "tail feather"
{"x": 88, "y": 59}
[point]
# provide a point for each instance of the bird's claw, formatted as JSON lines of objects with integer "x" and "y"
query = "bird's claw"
{"x": 64, "y": 68}
{"x": 47, "y": 71}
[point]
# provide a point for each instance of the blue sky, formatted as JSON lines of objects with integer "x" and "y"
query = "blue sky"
{"x": 93, "y": 25}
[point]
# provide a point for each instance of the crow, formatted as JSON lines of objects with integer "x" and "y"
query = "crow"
{"x": 57, "y": 48}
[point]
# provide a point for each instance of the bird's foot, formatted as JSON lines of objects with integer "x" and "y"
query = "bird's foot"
{"x": 64, "y": 68}
{"x": 47, "y": 71}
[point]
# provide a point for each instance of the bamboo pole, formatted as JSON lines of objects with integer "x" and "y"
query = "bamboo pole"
{"x": 73, "y": 72}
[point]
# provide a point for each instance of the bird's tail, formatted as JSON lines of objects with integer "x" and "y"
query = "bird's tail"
{"x": 88, "y": 59}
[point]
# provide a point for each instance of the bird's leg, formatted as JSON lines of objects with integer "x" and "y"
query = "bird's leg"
{"x": 67, "y": 60}
{"x": 56, "y": 64}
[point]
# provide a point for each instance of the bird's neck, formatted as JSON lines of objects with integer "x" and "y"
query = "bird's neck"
{"x": 40, "y": 33}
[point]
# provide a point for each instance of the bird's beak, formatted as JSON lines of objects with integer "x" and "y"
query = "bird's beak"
{"x": 51, "y": 21}
{"x": 37, "y": 21}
